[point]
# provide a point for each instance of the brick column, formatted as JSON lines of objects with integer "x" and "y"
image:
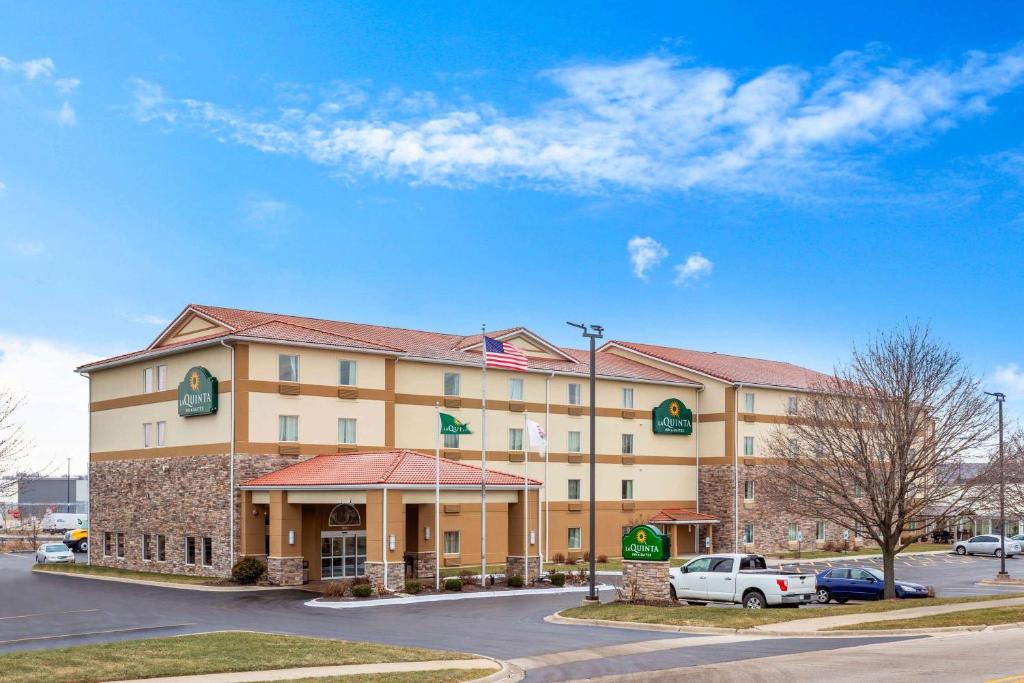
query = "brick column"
{"x": 284, "y": 565}
{"x": 645, "y": 581}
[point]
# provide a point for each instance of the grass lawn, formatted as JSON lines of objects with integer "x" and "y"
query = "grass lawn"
{"x": 817, "y": 554}
{"x": 124, "y": 573}
{"x": 973, "y": 617}
{"x": 200, "y": 654}
{"x": 746, "y": 618}
{"x": 447, "y": 572}
{"x": 439, "y": 676}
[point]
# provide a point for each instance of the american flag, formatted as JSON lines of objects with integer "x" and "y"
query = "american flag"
{"x": 501, "y": 355}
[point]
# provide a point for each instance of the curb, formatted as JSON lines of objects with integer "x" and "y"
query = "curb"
{"x": 640, "y": 626}
{"x": 507, "y": 672}
{"x": 446, "y": 597}
{"x": 165, "y": 584}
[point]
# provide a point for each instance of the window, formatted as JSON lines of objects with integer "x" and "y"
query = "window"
{"x": 451, "y": 440}
{"x": 701, "y": 564}
{"x": 575, "y": 538}
{"x": 858, "y": 530}
{"x": 627, "y": 444}
{"x": 748, "y": 403}
{"x": 287, "y": 368}
{"x": 515, "y": 438}
{"x": 913, "y": 525}
{"x": 858, "y": 492}
{"x": 147, "y": 435}
{"x": 347, "y": 373}
{"x": 120, "y": 545}
{"x": 791, "y": 405}
{"x": 819, "y": 450}
{"x": 161, "y": 433}
{"x": 147, "y": 548}
{"x": 515, "y": 389}
{"x": 190, "y": 550}
{"x": 794, "y": 532}
{"x": 794, "y": 448}
{"x": 748, "y": 445}
{"x": 626, "y": 529}
{"x": 627, "y": 397}
{"x": 575, "y": 395}
{"x": 627, "y": 489}
{"x": 346, "y": 430}
{"x": 748, "y": 534}
{"x": 161, "y": 548}
{"x": 748, "y": 490}
{"x": 574, "y": 489}
{"x": 839, "y": 574}
{"x": 108, "y": 544}
{"x": 819, "y": 531}
{"x": 574, "y": 442}
{"x": 147, "y": 380}
{"x": 287, "y": 427}
{"x": 161, "y": 377}
{"x": 452, "y": 381}
{"x": 207, "y": 551}
{"x": 452, "y": 543}
{"x": 721, "y": 565}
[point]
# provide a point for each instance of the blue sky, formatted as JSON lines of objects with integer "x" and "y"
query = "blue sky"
{"x": 791, "y": 177}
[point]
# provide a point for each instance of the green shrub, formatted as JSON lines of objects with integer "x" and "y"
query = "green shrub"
{"x": 514, "y": 581}
{"x": 248, "y": 571}
{"x": 335, "y": 589}
{"x": 557, "y": 579}
{"x": 413, "y": 587}
{"x": 363, "y": 590}
{"x": 453, "y": 584}
{"x": 467, "y": 577}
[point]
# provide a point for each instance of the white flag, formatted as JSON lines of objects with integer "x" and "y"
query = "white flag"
{"x": 538, "y": 439}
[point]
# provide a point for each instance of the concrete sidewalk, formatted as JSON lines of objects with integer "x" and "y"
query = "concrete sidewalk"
{"x": 819, "y": 624}
{"x": 325, "y": 671}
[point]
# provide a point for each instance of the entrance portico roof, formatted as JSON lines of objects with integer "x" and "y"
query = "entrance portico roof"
{"x": 682, "y": 516}
{"x": 383, "y": 469}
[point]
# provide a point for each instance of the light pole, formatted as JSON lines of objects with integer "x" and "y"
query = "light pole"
{"x": 593, "y": 334}
{"x": 69, "y": 485}
{"x": 1000, "y": 397}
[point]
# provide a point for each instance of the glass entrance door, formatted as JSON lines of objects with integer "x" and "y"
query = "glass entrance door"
{"x": 342, "y": 554}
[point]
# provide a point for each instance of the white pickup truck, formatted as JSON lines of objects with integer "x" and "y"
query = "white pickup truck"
{"x": 743, "y": 579}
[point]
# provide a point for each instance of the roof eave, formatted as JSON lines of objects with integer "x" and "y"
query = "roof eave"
{"x": 376, "y": 487}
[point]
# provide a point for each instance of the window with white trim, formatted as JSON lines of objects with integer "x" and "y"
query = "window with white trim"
{"x": 161, "y": 548}
{"x": 346, "y": 430}
{"x": 190, "y": 550}
{"x": 627, "y": 397}
{"x": 108, "y": 544}
{"x": 575, "y": 538}
{"x": 452, "y": 543}
{"x": 161, "y": 378}
{"x": 451, "y": 440}
{"x": 627, "y": 489}
{"x": 574, "y": 489}
{"x": 573, "y": 445}
{"x": 515, "y": 438}
{"x": 748, "y": 403}
{"x": 819, "y": 531}
{"x": 575, "y": 394}
{"x": 287, "y": 427}
{"x": 287, "y": 367}
{"x": 452, "y": 380}
{"x": 748, "y": 489}
{"x": 627, "y": 444}
{"x": 161, "y": 433}
{"x": 147, "y": 548}
{"x": 207, "y": 554}
{"x": 791, "y": 405}
{"x": 515, "y": 388}
{"x": 794, "y": 532}
{"x": 858, "y": 491}
{"x": 147, "y": 380}
{"x": 120, "y": 545}
{"x": 748, "y": 445}
{"x": 347, "y": 373}
{"x": 748, "y": 534}
{"x": 147, "y": 435}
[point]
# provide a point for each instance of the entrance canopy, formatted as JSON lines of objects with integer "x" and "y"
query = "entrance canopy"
{"x": 398, "y": 469}
{"x": 682, "y": 516}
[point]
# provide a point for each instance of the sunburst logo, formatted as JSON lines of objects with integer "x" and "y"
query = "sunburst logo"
{"x": 193, "y": 381}
{"x": 673, "y": 409}
{"x": 641, "y": 537}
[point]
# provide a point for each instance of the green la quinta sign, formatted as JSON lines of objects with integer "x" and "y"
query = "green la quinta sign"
{"x": 197, "y": 393}
{"x": 645, "y": 542}
{"x": 672, "y": 417}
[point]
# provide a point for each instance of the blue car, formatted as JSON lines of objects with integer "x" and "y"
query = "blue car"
{"x": 860, "y": 583}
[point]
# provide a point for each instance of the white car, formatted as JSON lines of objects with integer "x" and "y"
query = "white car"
{"x": 743, "y": 579}
{"x": 987, "y": 544}
{"x": 50, "y": 553}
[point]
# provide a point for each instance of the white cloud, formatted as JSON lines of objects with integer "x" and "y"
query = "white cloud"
{"x": 150, "y": 319}
{"x": 645, "y": 253}
{"x": 694, "y": 267}
{"x": 65, "y": 116}
{"x": 43, "y": 71}
{"x": 30, "y": 69}
{"x": 1009, "y": 378}
{"x": 650, "y": 124}
{"x": 27, "y": 247}
{"x": 55, "y": 415}
{"x": 269, "y": 215}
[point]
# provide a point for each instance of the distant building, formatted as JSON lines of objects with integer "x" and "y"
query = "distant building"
{"x": 36, "y": 495}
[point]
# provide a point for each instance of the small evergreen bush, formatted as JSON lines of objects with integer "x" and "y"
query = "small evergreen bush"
{"x": 248, "y": 571}
{"x": 453, "y": 584}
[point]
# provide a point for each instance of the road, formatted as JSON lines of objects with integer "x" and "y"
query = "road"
{"x": 41, "y": 611}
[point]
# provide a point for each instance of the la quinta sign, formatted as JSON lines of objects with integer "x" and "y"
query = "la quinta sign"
{"x": 197, "y": 393}
{"x": 672, "y": 417}
{"x": 645, "y": 542}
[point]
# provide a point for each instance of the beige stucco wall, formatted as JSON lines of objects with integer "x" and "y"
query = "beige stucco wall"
{"x": 318, "y": 418}
{"x": 121, "y": 429}
{"x": 126, "y": 380}
{"x": 650, "y": 482}
{"x": 316, "y": 366}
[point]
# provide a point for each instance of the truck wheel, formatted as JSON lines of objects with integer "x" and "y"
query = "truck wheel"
{"x": 754, "y": 600}
{"x": 672, "y": 593}
{"x": 824, "y": 596}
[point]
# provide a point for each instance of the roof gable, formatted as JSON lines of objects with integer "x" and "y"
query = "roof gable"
{"x": 190, "y": 325}
{"x": 531, "y": 344}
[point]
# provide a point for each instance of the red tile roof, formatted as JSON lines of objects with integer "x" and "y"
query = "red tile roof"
{"x": 274, "y": 327}
{"x": 682, "y": 515}
{"x": 394, "y": 468}
{"x": 734, "y": 369}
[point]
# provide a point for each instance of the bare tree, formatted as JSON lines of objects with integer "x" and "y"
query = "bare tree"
{"x": 879, "y": 443}
{"x": 14, "y": 447}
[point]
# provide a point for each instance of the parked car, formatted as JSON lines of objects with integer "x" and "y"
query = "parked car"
{"x": 77, "y": 540}
{"x": 942, "y": 536}
{"x": 860, "y": 583}
{"x": 49, "y": 553}
{"x": 986, "y": 545}
{"x": 743, "y": 579}
{"x": 1019, "y": 538}
{"x": 55, "y": 522}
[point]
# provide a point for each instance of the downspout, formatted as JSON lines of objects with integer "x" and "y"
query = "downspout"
{"x": 231, "y": 462}
{"x": 384, "y": 539}
{"x": 88, "y": 525}
{"x": 547, "y": 457}
{"x": 696, "y": 535}
{"x": 736, "y": 470}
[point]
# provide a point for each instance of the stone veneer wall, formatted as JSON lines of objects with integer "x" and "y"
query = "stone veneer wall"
{"x": 425, "y": 565}
{"x": 396, "y": 574}
{"x": 771, "y": 529}
{"x": 177, "y": 497}
{"x": 645, "y": 581}
{"x": 515, "y": 565}
{"x": 285, "y": 571}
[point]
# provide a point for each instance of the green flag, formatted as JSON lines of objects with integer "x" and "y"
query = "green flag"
{"x": 453, "y": 425}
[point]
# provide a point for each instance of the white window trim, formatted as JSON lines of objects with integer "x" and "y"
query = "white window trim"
{"x": 279, "y": 435}
{"x": 748, "y": 440}
{"x": 579, "y": 441}
{"x": 355, "y": 430}
{"x": 622, "y": 486}
{"x": 288, "y": 355}
{"x": 147, "y": 434}
{"x": 458, "y": 542}
{"x": 749, "y": 402}
{"x": 148, "y": 380}
{"x": 579, "y": 489}
{"x": 516, "y": 381}
{"x": 579, "y": 394}
{"x": 192, "y": 563}
{"x": 354, "y": 374}
{"x": 628, "y": 391}
{"x": 522, "y": 439}
{"x": 579, "y": 536}
{"x": 145, "y": 538}
{"x": 161, "y": 434}
{"x": 157, "y": 538}
{"x": 161, "y": 378}
{"x": 458, "y": 383}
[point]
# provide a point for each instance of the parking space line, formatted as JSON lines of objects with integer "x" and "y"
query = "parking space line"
{"x": 93, "y": 633}
{"x": 50, "y": 614}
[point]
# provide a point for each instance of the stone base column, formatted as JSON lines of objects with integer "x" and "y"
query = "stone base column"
{"x": 285, "y": 571}
{"x": 515, "y": 565}
{"x": 396, "y": 575}
{"x": 425, "y": 566}
{"x": 645, "y": 581}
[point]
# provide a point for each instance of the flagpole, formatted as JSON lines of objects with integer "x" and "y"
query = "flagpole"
{"x": 483, "y": 455}
{"x": 526, "y": 500}
{"x": 437, "y": 500}
{"x": 547, "y": 448}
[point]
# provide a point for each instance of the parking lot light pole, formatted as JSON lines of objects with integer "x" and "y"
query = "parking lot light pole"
{"x": 1000, "y": 397}
{"x": 593, "y": 334}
